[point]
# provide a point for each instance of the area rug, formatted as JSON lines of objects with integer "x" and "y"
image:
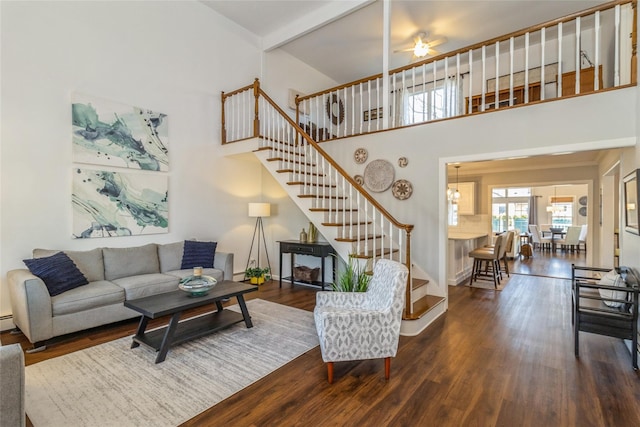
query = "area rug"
{"x": 485, "y": 283}
{"x": 114, "y": 385}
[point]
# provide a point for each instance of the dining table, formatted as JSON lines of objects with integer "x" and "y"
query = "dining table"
{"x": 554, "y": 236}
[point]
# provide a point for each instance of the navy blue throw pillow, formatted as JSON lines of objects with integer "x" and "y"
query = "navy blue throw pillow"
{"x": 58, "y": 272}
{"x": 198, "y": 254}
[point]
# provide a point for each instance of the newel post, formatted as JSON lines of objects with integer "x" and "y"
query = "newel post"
{"x": 297, "y": 118}
{"x": 408, "y": 306}
{"x": 256, "y": 116}
{"x": 224, "y": 128}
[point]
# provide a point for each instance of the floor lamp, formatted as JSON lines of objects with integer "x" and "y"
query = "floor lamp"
{"x": 259, "y": 210}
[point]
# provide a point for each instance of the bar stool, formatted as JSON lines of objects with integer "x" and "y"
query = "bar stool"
{"x": 488, "y": 259}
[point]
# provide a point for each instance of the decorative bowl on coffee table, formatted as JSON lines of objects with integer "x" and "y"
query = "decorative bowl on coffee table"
{"x": 197, "y": 285}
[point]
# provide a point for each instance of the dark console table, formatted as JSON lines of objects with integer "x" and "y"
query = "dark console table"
{"x": 319, "y": 249}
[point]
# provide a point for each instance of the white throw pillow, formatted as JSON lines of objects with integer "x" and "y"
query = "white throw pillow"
{"x": 612, "y": 279}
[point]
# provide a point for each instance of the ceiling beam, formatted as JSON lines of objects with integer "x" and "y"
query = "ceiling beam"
{"x": 312, "y": 21}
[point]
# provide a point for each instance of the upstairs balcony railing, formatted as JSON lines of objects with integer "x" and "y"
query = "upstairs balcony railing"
{"x": 533, "y": 65}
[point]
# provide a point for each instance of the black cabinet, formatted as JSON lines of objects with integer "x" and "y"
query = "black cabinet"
{"x": 318, "y": 249}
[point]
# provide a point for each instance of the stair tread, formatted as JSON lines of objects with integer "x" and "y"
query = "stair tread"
{"x": 315, "y": 196}
{"x": 293, "y": 171}
{"x": 278, "y": 141}
{"x": 295, "y": 153}
{"x": 422, "y": 307}
{"x": 418, "y": 283}
{"x": 295, "y": 162}
{"x": 378, "y": 253}
{"x": 310, "y": 184}
{"x": 340, "y": 224}
{"x": 333, "y": 210}
{"x": 359, "y": 239}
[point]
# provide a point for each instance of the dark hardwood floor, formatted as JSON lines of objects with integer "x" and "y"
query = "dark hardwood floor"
{"x": 494, "y": 359}
{"x": 548, "y": 264}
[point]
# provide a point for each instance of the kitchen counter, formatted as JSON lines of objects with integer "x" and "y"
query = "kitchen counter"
{"x": 460, "y": 264}
{"x": 458, "y": 235}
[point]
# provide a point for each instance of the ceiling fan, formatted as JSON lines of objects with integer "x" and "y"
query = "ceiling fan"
{"x": 422, "y": 46}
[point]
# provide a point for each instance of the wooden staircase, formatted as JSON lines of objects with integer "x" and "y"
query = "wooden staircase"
{"x": 357, "y": 226}
{"x": 343, "y": 228}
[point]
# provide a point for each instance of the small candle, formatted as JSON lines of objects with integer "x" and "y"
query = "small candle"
{"x": 197, "y": 271}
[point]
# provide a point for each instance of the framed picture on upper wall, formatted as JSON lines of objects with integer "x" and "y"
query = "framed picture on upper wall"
{"x": 631, "y": 197}
{"x": 118, "y": 135}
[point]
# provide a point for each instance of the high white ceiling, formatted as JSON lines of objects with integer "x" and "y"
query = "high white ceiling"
{"x": 343, "y": 38}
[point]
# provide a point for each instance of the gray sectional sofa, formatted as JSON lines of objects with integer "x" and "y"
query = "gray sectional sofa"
{"x": 114, "y": 275}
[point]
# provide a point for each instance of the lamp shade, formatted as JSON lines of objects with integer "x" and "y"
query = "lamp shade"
{"x": 259, "y": 210}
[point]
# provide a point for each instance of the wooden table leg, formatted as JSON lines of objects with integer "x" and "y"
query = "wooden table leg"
{"x": 245, "y": 312}
{"x": 168, "y": 336}
{"x": 140, "y": 332}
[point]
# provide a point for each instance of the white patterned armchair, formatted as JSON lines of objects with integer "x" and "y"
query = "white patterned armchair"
{"x": 363, "y": 325}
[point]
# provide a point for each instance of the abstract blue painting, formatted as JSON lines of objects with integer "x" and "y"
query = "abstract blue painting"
{"x": 110, "y": 204}
{"x": 117, "y": 135}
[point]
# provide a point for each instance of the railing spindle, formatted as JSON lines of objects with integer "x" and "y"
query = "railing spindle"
{"x": 578, "y": 56}
{"x": 616, "y": 49}
{"x": 559, "y": 61}
{"x": 526, "y": 68}
{"x": 596, "y": 58}
{"x": 497, "y": 80}
{"x": 543, "y": 33}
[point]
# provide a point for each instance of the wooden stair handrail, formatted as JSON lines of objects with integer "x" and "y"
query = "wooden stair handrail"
{"x": 387, "y": 215}
{"x": 514, "y": 34}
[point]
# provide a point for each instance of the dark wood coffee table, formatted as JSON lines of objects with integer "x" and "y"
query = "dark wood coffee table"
{"x": 175, "y": 303}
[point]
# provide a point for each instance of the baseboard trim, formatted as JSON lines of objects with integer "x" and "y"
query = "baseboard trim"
{"x": 6, "y": 322}
{"x": 412, "y": 328}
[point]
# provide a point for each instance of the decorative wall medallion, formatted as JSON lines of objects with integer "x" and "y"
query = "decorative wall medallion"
{"x": 335, "y": 109}
{"x": 583, "y": 201}
{"x": 379, "y": 175}
{"x": 582, "y": 211}
{"x": 360, "y": 155}
{"x": 359, "y": 179}
{"x": 402, "y": 189}
{"x": 403, "y": 162}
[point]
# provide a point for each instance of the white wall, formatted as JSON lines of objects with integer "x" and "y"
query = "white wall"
{"x": 172, "y": 57}
{"x": 604, "y": 120}
{"x": 158, "y": 55}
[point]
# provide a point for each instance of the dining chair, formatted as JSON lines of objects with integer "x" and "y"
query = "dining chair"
{"x": 582, "y": 240}
{"x": 545, "y": 229}
{"x": 571, "y": 239}
{"x": 538, "y": 240}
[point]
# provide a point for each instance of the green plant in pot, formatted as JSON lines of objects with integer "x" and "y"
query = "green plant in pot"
{"x": 354, "y": 278}
{"x": 257, "y": 275}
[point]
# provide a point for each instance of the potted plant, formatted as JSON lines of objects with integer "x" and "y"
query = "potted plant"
{"x": 257, "y": 275}
{"x": 353, "y": 279}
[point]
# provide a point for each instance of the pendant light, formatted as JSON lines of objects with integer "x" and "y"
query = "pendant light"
{"x": 454, "y": 196}
{"x": 552, "y": 207}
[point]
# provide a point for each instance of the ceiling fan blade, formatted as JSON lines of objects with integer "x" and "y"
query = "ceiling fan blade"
{"x": 436, "y": 42}
{"x": 403, "y": 50}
